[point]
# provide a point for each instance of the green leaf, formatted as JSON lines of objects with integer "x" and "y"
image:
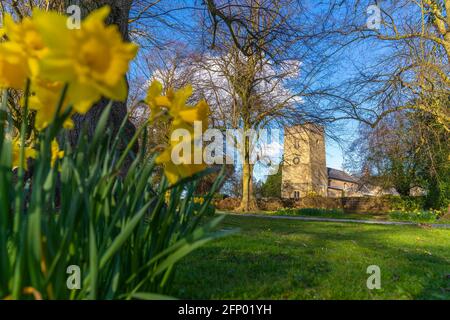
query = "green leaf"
{"x": 151, "y": 296}
{"x": 123, "y": 236}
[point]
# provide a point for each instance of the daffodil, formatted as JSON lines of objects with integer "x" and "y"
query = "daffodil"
{"x": 183, "y": 117}
{"x": 56, "y": 153}
{"x": 174, "y": 172}
{"x": 175, "y": 105}
{"x": 93, "y": 60}
{"x": 199, "y": 200}
{"x": 156, "y": 101}
{"x": 13, "y": 70}
{"x": 29, "y": 152}
{"x": 192, "y": 114}
{"x": 25, "y": 37}
{"x": 45, "y": 99}
{"x": 178, "y": 100}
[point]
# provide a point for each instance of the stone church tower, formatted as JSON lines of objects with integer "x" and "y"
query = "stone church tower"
{"x": 304, "y": 168}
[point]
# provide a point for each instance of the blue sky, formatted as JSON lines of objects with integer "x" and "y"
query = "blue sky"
{"x": 335, "y": 156}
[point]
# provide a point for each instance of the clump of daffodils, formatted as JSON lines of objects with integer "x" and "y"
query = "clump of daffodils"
{"x": 199, "y": 200}
{"x": 29, "y": 152}
{"x": 172, "y": 108}
{"x": 89, "y": 62}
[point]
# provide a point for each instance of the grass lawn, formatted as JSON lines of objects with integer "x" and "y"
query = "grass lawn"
{"x": 341, "y": 215}
{"x": 286, "y": 259}
{"x": 356, "y": 216}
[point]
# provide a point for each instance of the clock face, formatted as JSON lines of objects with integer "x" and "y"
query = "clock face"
{"x": 296, "y": 160}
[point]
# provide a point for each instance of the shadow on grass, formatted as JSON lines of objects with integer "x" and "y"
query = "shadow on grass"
{"x": 306, "y": 260}
{"x": 417, "y": 266}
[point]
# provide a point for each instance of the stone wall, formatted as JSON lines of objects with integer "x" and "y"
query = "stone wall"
{"x": 348, "y": 204}
{"x": 366, "y": 204}
{"x": 227, "y": 204}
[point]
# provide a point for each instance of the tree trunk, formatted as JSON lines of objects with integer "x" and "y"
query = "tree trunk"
{"x": 248, "y": 202}
{"x": 119, "y": 16}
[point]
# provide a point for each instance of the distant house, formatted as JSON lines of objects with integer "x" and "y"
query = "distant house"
{"x": 340, "y": 184}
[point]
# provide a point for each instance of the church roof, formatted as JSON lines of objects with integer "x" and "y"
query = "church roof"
{"x": 340, "y": 175}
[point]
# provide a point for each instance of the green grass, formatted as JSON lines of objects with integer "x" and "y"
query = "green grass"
{"x": 286, "y": 259}
{"x": 327, "y": 213}
{"x": 323, "y": 214}
{"x": 424, "y": 217}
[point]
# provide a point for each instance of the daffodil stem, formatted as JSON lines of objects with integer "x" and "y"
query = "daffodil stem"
{"x": 20, "y": 194}
{"x": 58, "y": 119}
{"x": 19, "y": 199}
{"x": 3, "y": 115}
{"x": 129, "y": 147}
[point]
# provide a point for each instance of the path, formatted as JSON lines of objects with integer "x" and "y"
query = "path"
{"x": 395, "y": 223}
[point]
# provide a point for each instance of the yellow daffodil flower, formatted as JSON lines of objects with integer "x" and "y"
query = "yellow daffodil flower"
{"x": 56, "y": 153}
{"x": 181, "y": 117}
{"x": 178, "y": 100}
{"x": 93, "y": 60}
{"x": 13, "y": 70}
{"x": 175, "y": 103}
{"x": 174, "y": 172}
{"x": 199, "y": 200}
{"x": 25, "y": 37}
{"x": 156, "y": 101}
{"x": 28, "y": 153}
{"x": 191, "y": 114}
{"x": 45, "y": 98}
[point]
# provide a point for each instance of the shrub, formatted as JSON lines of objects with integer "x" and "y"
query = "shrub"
{"x": 272, "y": 186}
{"x": 219, "y": 196}
{"x": 406, "y": 203}
{"x": 417, "y": 215}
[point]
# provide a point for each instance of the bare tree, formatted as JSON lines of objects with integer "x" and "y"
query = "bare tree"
{"x": 273, "y": 57}
{"x": 404, "y": 81}
{"x": 407, "y": 67}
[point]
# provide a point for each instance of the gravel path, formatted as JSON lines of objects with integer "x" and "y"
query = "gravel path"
{"x": 394, "y": 223}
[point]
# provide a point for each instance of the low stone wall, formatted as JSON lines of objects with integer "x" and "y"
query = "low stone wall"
{"x": 271, "y": 204}
{"x": 227, "y": 203}
{"x": 366, "y": 205}
{"x": 348, "y": 204}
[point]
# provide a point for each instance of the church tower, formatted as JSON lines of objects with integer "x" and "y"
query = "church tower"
{"x": 304, "y": 170}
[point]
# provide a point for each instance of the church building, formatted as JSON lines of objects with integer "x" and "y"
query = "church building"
{"x": 304, "y": 171}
